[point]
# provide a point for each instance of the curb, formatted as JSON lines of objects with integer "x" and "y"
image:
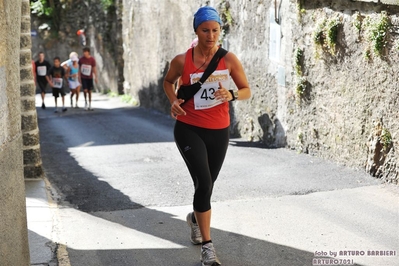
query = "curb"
{"x": 61, "y": 253}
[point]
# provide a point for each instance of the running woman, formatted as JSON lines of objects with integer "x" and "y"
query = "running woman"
{"x": 73, "y": 79}
{"x": 41, "y": 68}
{"x": 87, "y": 70}
{"x": 202, "y": 127}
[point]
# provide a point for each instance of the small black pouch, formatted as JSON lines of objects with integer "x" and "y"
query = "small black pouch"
{"x": 187, "y": 92}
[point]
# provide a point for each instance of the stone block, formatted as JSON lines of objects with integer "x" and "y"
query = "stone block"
{"x": 33, "y": 171}
{"x": 26, "y": 41}
{"x": 28, "y": 105}
{"x": 28, "y": 89}
{"x": 29, "y": 122}
{"x": 26, "y": 74}
{"x": 25, "y": 25}
{"x": 25, "y": 58}
{"x": 30, "y": 140}
{"x": 32, "y": 156}
{"x": 25, "y": 8}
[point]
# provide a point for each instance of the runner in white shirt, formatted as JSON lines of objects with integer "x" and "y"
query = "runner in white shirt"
{"x": 41, "y": 69}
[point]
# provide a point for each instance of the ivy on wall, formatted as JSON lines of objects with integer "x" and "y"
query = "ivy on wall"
{"x": 326, "y": 34}
{"x": 301, "y": 81}
{"x": 377, "y": 33}
{"x": 227, "y": 19}
{"x": 340, "y": 33}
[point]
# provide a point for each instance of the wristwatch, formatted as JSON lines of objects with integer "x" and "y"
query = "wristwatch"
{"x": 234, "y": 94}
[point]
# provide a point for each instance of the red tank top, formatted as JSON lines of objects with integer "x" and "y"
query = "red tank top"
{"x": 216, "y": 117}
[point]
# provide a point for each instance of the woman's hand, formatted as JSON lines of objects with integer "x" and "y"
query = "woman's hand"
{"x": 176, "y": 109}
{"x": 223, "y": 94}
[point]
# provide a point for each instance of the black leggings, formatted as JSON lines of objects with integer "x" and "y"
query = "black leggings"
{"x": 203, "y": 150}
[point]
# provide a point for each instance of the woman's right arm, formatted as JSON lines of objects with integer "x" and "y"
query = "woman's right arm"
{"x": 174, "y": 73}
{"x": 68, "y": 72}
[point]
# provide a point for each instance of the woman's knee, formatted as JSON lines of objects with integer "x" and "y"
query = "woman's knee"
{"x": 202, "y": 198}
{"x": 204, "y": 191}
{"x": 202, "y": 204}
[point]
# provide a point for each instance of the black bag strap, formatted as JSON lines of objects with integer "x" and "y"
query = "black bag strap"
{"x": 187, "y": 92}
{"x": 213, "y": 64}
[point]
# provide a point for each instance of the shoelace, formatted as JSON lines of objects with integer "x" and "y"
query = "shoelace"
{"x": 209, "y": 252}
{"x": 196, "y": 230}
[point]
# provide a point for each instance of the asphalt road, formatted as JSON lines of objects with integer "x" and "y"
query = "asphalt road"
{"x": 124, "y": 192}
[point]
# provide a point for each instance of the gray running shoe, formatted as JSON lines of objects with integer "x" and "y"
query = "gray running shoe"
{"x": 195, "y": 236}
{"x": 208, "y": 255}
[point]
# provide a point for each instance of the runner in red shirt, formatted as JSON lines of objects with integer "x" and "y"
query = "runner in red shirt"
{"x": 202, "y": 127}
{"x": 87, "y": 69}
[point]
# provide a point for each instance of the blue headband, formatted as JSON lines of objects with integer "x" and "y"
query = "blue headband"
{"x": 205, "y": 13}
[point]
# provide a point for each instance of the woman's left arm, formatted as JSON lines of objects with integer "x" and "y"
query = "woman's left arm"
{"x": 238, "y": 75}
{"x": 240, "y": 79}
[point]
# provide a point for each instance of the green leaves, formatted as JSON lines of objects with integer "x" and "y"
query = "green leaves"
{"x": 377, "y": 29}
{"x": 41, "y": 8}
{"x": 326, "y": 34}
{"x": 107, "y": 4}
{"x": 385, "y": 138}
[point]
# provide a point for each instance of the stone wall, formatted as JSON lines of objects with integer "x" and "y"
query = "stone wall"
{"x": 153, "y": 32}
{"x": 349, "y": 109}
{"x": 338, "y": 103}
{"x": 31, "y": 146}
{"x": 340, "y": 106}
{"x": 13, "y": 228}
{"x": 149, "y": 46}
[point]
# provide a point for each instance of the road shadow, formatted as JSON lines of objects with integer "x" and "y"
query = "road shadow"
{"x": 111, "y": 121}
{"x": 41, "y": 249}
{"x": 84, "y": 191}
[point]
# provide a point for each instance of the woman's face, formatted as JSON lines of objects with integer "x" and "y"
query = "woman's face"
{"x": 208, "y": 33}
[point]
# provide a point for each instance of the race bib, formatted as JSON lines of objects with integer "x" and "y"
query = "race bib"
{"x": 41, "y": 71}
{"x": 204, "y": 98}
{"x": 57, "y": 82}
{"x": 85, "y": 70}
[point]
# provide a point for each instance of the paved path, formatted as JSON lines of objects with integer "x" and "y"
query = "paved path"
{"x": 122, "y": 192}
